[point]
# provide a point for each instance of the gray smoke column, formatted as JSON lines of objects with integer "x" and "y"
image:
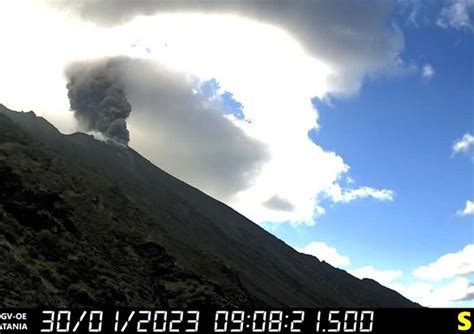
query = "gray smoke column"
{"x": 97, "y": 97}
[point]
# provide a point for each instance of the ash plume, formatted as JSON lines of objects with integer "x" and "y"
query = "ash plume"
{"x": 97, "y": 97}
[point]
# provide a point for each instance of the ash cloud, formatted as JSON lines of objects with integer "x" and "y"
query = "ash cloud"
{"x": 173, "y": 125}
{"x": 97, "y": 97}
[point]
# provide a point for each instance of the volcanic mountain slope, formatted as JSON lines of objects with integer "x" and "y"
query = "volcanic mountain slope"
{"x": 84, "y": 222}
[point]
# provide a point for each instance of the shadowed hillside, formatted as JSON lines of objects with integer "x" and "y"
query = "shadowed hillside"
{"x": 85, "y": 222}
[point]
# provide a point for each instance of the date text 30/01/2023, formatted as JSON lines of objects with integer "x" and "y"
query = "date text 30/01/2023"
{"x": 223, "y": 321}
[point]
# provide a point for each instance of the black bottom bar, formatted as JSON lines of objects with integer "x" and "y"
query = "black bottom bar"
{"x": 209, "y": 321}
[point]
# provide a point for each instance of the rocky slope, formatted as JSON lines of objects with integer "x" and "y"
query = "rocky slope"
{"x": 83, "y": 222}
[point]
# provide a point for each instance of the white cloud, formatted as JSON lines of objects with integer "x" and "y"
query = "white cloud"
{"x": 272, "y": 63}
{"x": 468, "y": 209}
{"x": 457, "y": 14}
{"x": 384, "y": 277}
{"x": 337, "y": 194}
{"x": 324, "y": 252}
{"x": 452, "y": 291}
{"x": 416, "y": 291}
{"x": 463, "y": 145}
{"x": 359, "y": 42}
{"x": 444, "y": 283}
{"x": 427, "y": 71}
{"x": 458, "y": 289}
{"x": 444, "y": 295}
{"x": 448, "y": 266}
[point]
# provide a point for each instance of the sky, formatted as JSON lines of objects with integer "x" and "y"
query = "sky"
{"x": 344, "y": 128}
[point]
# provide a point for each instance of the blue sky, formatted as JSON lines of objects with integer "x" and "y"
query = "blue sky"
{"x": 398, "y": 132}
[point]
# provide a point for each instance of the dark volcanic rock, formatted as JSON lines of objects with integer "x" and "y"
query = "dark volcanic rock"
{"x": 84, "y": 222}
{"x": 59, "y": 247}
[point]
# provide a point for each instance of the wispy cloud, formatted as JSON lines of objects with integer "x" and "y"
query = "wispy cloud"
{"x": 427, "y": 71}
{"x": 457, "y": 14}
{"x": 468, "y": 209}
{"x": 463, "y": 145}
{"x": 337, "y": 194}
{"x": 450, "y": 14}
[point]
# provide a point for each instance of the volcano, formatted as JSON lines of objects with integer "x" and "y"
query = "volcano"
{"x": 86, "y": 223}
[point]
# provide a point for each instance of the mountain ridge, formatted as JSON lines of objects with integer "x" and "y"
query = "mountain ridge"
{"x": 204, "y": 237}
